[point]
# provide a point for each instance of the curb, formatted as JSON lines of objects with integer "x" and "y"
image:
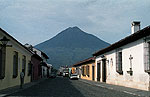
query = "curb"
{"x": 111, "y": 88}
{"x": 18, "y": 89}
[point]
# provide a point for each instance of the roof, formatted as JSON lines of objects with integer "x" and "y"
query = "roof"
{"x": 91, "y": 59}
{"x": 137, "y": 35}
{"x": 15, "y": 40}
{"x": 44, "y": 55}
{"x": 37, "y": 57}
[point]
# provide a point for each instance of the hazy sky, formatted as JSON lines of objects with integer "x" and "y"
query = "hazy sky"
{"x": 34, "y": 21}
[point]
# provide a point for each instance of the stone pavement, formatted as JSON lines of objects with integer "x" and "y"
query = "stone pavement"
{"x": 131, "y": 91}
{"x": 11, "y": 90}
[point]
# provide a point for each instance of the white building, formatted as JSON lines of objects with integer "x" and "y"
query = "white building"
{"x": 49, "y": 68}
{"x": 126, "y": 62}
{"x": 45, "y": 68}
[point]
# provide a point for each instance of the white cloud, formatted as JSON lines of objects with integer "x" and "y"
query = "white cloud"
{"x": 39, "y": 20}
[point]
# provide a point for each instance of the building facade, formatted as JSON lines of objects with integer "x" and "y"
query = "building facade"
{"x": 45, "y": 67}
{"x": 36, "y": 67}
{"x": 126, "y": 62}
{"x": 14, "y": 59}
{"x": 85, "y": 69}
{"x": 36, "y": 63}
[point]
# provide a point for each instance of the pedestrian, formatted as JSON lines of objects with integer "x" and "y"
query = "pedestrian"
{"x": 21, "y": 79}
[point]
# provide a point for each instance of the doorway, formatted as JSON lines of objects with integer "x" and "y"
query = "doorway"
{"x": 93, "y": 72}
{"x": 98, "y": 72}
{"x": 104, "y": 70}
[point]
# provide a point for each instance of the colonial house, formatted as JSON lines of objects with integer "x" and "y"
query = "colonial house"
{"x": 14, "y": 59}
{"x": 36, "y": 63}
{"x": 126, "y": 62}
{"x": 85, "y": 68}
{"x": 45, "y": 67}
{"x": 36, "y": 67}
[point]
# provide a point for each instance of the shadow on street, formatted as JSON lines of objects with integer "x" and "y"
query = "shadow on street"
{"x": 58, "y": 87}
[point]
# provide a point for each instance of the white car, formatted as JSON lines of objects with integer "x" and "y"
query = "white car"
{"x": 74, "y": 76}
{"x": 65, "y": 74}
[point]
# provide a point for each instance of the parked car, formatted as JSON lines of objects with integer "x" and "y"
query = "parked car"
{"x": 65, "y": 74}
{"x": 74, "y": 76}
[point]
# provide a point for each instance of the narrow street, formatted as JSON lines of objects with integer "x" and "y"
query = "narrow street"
{"x": 63, "y": 87}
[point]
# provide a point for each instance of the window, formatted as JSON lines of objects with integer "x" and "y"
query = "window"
{"x": 29, "y": 68}
{"x": 83, "y": 70}
{"x": 147, "y": 56}
{"x": 2, "y": 62}
{"x": 24, "y": 64}
{"x": 15, "y": 64}
{"x": 119, "y": 61}
{"x": 87, "y": 69}
{"x": 1, "y": 65}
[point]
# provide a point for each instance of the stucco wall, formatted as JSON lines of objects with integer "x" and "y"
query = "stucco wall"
{"x": 90, "y": 71}
{"x": 9, "y": 81}
{"x": 139, "y": 79}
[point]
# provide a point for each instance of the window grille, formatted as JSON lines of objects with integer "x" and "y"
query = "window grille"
{"x": 119, "y": 62}
{"x": 147, "y": 56}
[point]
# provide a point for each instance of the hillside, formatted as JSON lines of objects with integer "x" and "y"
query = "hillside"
{"x": 70, "y": 46}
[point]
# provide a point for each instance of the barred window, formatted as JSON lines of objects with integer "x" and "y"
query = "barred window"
{"x": 24, "y": 64}
{"x": 147, "y": 56}
{"x": 15, "y": 64}
{"x": 119, "y": 61}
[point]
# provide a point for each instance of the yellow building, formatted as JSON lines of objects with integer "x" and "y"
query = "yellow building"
{"x": 86, "y": 68}
{"x": 14, "y": 59}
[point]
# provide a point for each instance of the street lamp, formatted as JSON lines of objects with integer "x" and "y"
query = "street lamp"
{"x": 3, "y": 46}
{"x": 4, "y": 41}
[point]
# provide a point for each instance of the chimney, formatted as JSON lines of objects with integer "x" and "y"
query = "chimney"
{"x": 135, "y": 26}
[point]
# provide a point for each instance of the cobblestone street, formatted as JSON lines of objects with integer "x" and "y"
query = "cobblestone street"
{"x": 63, "y": 87}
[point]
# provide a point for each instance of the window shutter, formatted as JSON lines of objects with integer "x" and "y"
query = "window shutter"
{"x": 146, "y": 57}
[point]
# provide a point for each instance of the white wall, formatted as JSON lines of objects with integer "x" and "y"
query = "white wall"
{"x": 139, "y": 79}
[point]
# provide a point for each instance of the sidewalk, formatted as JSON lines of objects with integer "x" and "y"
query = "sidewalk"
{"x": 8, "y": 91}
{"x": 131, "y": 91}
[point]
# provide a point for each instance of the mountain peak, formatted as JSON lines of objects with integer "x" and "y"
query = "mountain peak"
{"x": 70, "y": 46}
{"x": 74, "y": 29}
